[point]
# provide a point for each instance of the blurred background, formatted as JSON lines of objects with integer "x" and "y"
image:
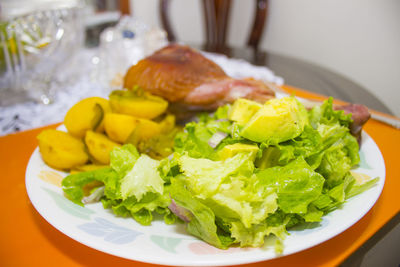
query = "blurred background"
{"x": 360, "y": 39}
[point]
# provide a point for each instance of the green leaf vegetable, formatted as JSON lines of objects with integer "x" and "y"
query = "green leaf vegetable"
{"x": 132, "y": 186}
{"x": 275, "y": 167}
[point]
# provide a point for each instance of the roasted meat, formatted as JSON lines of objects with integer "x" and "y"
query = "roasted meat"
{"x": 186, "y": 78}
{"x": 359, "y": 114}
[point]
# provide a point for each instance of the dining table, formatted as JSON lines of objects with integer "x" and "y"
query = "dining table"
{"x": 27, "y": 239}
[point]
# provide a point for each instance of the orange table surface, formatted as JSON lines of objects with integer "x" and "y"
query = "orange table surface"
{"x": 28, "y": 240}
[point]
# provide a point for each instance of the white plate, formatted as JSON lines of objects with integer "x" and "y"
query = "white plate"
{"x": 169, "y": 244}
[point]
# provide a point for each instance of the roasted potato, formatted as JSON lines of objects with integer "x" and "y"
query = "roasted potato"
{"x": 141, "y": 105}
{"x": 144, "y": 130}
{"x": 120, "y": 126}
{"x": 99, "y": 146}
{"x": 60, "y": 150}
{"x": 86, "y": 115}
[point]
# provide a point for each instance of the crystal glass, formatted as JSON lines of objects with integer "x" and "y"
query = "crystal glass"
{"x": 33, "y": 47}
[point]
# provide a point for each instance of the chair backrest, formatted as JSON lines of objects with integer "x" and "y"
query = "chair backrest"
{"x": 216, "y": 18}
{"x": 124, "y": 7}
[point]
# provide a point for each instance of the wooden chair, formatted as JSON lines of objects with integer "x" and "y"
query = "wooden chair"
{"x": 216, "y": 19}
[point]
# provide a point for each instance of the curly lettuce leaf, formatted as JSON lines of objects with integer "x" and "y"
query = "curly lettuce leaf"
{"x": 133, "y": 186}
{"x": 194, "y": 140}
{"x": 307, "y": 145}
{"x": 142, "y": 210}
{"x": 122, "y": 159}
{"x": 202, "y": 223}
{"x": 238, "y": 199}
{"x": 74, "y": 185}
{"x": 228, "y": 188}
{"x": 168, "y": 168}
{"x": 338, "y": 159}
{"x": 204, "y": 176}
{"x": 325, "y": 114}
{"x": 297, "y": 185}
{"x": 254, "y": 236}
{"x": 142, "y": 178}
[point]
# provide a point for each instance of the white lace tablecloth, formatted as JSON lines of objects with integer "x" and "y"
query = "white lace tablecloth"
{"x": 81, "y": 79}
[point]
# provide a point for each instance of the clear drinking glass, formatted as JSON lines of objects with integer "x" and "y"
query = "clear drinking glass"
{"x": 33, "y": 47}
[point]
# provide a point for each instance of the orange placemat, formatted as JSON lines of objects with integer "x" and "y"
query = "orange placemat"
{"x": 28, "y": 240}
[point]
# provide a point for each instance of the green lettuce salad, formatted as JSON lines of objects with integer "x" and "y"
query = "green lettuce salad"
{"x": 236, "y": 176}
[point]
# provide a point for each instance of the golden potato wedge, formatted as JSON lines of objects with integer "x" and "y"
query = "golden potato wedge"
{"x": 147, "y": 129}
{"x": 120, "y": 126}
{"x": 99, "y": 146}
{"x": 86, "y": 115}
{"x": 139, "y": 105}
{"x": 144, "y": 130}
{"x": 60, "y": 150}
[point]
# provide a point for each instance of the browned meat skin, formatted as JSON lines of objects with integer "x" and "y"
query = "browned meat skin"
{"x": 212, "y": 95}
{"x": 359, "y": 114}
{"x": 172, "y": 72}
{"x": 183, "y": 76}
